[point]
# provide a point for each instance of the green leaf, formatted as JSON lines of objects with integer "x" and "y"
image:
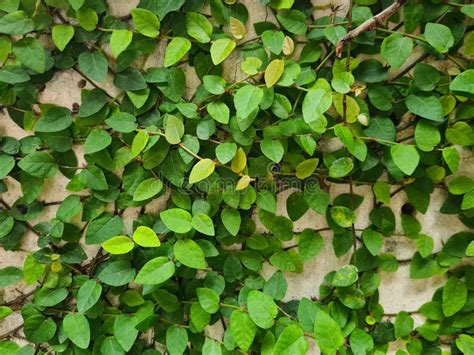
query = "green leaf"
{"x": 13, "y": 74}
{"x": 38, "y": 329}
{"x": 464, "y": 342}
{"x": 125, "y": 332}
{"x": 162, "y": 7}
{"x": 405, "y": 157}
{"x": 306, "y": 168}
{"x": 373, "y": 241}
{"x": 214, "y": 84}
{"x": 315, "y": 103}
{"x": 309, "y": 244}
{"x": 273, "y": 40}
{"x": 425, "y": 77}
{"x": 208, "y": 299}
{"x": 424, "y": 245}
{"x": 203, "y": 224}
{"x": 119, "y": 41}
{"x": 201, "y": 170}
{"x": 291, "y": 341}
{"x": 177, "y": 49}
{"x": 198, "y": 27}
{"x": 220, "y": 49}
{"x": 62, "y": 35}
{"x": 174, "y": 129}
{"x": 396, "y": 49}
{"x": 225, "y": 152}
{"x": 454, "y": 296}
{"x": 146, "y": 237}
{"x": 69, "y": 208}
{"x": 7, "y": 163}
{"x": 177, "y": 220}
{"x": 38, "y": 164}
{"x": 327, "y": 333}
{"x": 76, "y": 327}
{"x": 9, "y": 276}
{"x": 242, "y": 328}
{"x": 54, "y": 119}
{"x": 88, "y": 18}
{"x": 176, "y": 340}
{"x": 247, "y": 99}
{"x": 103, "y": 228}
{"x": 120, "y": 244}
{"x": 188, "y": 253}
{"x": 156, "y": 271}
{"x": 463, "y": 83}
{"x": 403, "y": 325}
{"x": 5, "y": 312}
{"x": 93, "y": 65}
{"x": 293, "y": 21}
{"x": 345, "y": 276}
{"x": 439, "y": 36}
{"x": 428, "y": 107}
{"x": 451, "y": 157}
{"x": 219, "y": 111}
{"x": 341, "y": 167}
{"x": 273, "y": 72}
{"x": 146, "y": 22}
{"x": 361, "y": 342}
{"x": 93, "y": 178}
{"x": 147, "y": 189}
{"x": 343, "y": 216}
{"x": 231, "y": 220}
{"x": 88, "y": 295}
{"x": 262, "y": 309}
{"x": 272, "y": 149}
{"x": 139, "y": 142}
{"x": 96, "y": 141}
{"x": 427, "y": 136}
{"x": 116, "y": 273}
{"x": 16, "y": 23}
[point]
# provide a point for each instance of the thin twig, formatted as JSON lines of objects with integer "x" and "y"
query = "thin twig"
{"x": 369, "y": 25}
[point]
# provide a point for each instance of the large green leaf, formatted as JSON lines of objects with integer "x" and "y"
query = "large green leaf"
{"x": 76, "y": 327}
{"x": 262, "y": 309}
{"x": 156, "y": 271}
{"x": 327, "y": 333}
{"x": 189, "y": 253}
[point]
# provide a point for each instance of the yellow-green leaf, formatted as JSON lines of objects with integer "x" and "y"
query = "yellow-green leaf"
{"x": 201, "y": 170}
{"x": 273, "y": 72}
{"x": 146, "y": 237}
{"x": 120, "y": 244}
{"x": 119, "y": 41}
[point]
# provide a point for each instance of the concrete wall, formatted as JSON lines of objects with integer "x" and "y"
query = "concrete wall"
{"x": 397, "y": 291}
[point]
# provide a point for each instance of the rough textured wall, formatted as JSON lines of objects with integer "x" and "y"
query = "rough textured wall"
{"x": 397, "y": 291}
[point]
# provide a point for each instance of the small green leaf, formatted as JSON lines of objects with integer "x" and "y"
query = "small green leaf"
{"x": 341, "y": 167}
{"x": 405, "y": 157}
{"x": 327, "y": 333}
{"x": 88, "y": 295}
{"x": 439, "y": 36}
{"x": 428, "y": 107}
{"x": 396, "y": 49}
{"x": 146, "y": 237}
{"x": 93, "y": 65}
{"x": 146, "y": 22}
{"x": 31, "y": 53}
{"x": 96, "y": 141}
{"x": 272, "y": 149}
{"x": 247, "y": 99}
{"x": 156, "y": 271}
{"x": 345, "y": 276}
{"x": 76, "y": 327}
{"x": 220, "y": 49}
{"x": 454, "y": 296}
{"x": 208, "y": 299}
{"x": 176, "y": 340}
{"x": 343, "y": 216}
{"x": 243, "y": 329}
{"x": 9, "y": 276}
{"x": 188, "y": 253}
{"x": 62, "y": 35}
{"x": 373, "y": 241}
{"x": 201, "y": 170}
{"x": 198, "y": 27}
{"x": 120, "y": 244}
{"x": 177, "y": 49}
{"x": 306, "y": 168}
{"x": 262, "y": 309}
{"x": 174, "y": 129}
{"x": 119, "y": 41}
{"x": 203, "y": 224}
{"x": 291, "y": 341}
{"x": 219, "y": 111}
{"x": 147, "y": 189}
{"x": 177, "y": 220}
{"x": 231, "y": 220}
{"x": 139, "y": 142}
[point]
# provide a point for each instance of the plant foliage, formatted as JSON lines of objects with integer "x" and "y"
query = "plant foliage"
{"x": 217, "y": 158}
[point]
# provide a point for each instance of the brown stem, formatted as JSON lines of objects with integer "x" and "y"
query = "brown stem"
{"x": 369, "y": 25}
{"x": 11, "y": 332}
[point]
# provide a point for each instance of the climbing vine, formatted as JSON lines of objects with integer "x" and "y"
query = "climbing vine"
{"x": 380, "y": 96}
